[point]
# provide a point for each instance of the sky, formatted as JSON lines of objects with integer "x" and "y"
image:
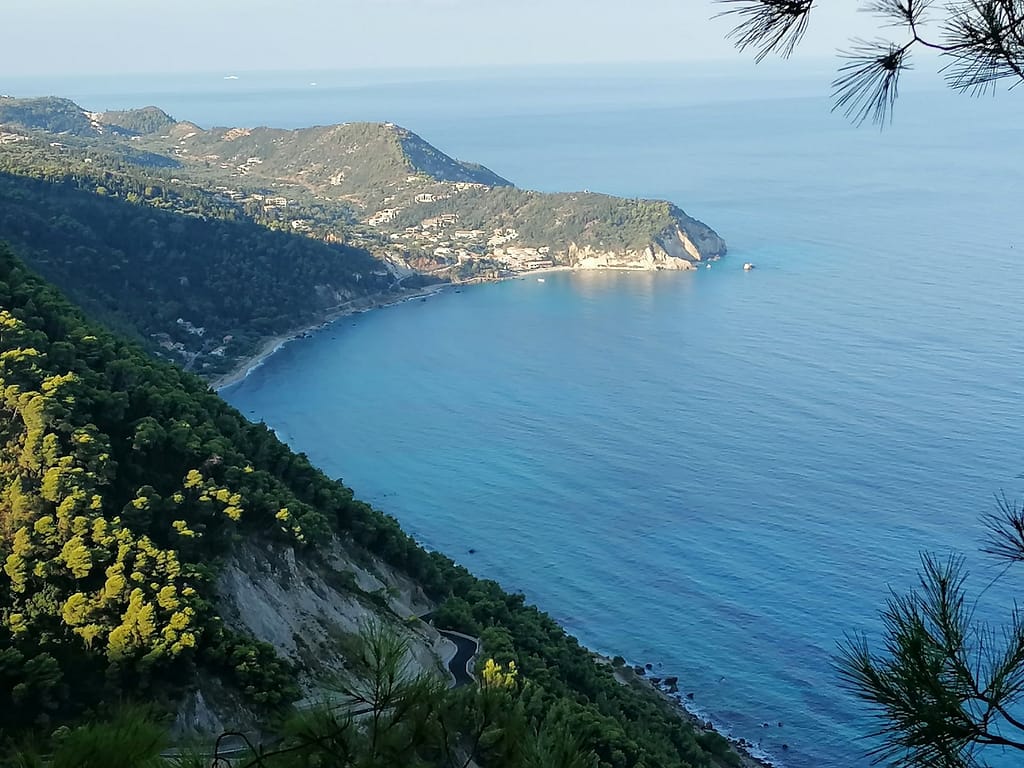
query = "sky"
{"x": 84, "y": 37}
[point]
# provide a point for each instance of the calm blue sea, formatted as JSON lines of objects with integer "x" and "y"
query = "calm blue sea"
{"x": 716, "y": 472}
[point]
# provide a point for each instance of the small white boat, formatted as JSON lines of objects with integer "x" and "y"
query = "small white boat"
{"x": 708, "y": 266}
{"x": 747, "y": 267}
{"x": 540, "y": 279}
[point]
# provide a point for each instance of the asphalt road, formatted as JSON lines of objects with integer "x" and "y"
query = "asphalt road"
{"x": 459, "y": 665}
{"x": 466, "y": 648}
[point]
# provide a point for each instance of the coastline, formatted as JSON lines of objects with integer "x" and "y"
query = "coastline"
{"x": 749, "y": 753}
{"x": 249, "y": 364}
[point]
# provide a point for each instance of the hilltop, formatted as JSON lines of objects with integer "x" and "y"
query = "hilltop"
{"x": 425, "y": 211}
{"x": 351, "y": 160}
{"x": 56, "y": 115}
{"x": 252, "y": 233}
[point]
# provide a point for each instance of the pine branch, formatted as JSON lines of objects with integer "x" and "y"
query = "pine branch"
{"x": 986, "y": 44}
{"x": 983, "y": 41}
{"x": 901, "y": 13}
{"x": 926, "y": 691}
{"x": 1005, "y": 531}
{"x": 769, "y": 26}
{"x": 867, "y": 84}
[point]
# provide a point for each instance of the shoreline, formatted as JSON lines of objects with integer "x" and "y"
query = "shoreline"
{"x": 274, "y": 344}
{"x": 669, "y": 696}
{"x": 750, "y": 755}
{"x": 249, "y": 364}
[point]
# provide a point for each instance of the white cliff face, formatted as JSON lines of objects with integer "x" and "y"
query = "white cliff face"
{"x": 675, "y": 248}
{"x": 677, "y": 244}
{"x": 651, "y": 258}
{"x": 312, "y": 615}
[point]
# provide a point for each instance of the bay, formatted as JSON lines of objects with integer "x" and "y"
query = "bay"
{"x": 718, "y": 472}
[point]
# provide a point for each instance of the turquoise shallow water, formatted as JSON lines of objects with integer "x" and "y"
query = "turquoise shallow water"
{"x": 646, "y": 458}
{"x": 718, "y": 472}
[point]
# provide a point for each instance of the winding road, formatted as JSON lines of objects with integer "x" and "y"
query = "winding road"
{"x": 466, "y": 649}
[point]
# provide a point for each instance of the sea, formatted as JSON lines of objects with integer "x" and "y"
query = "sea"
{"x": 722, "y": 473}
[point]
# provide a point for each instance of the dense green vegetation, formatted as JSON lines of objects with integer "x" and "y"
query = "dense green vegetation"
{"x": 383, "y": 166}
{"x": 139, "y": 121}
{"x": 363, "y": 160}
{"x": 64, "y": 116}
{"x": 582, "y": 218}
{"x": 125, "y": 479}
{"x": 623, "y": 726}
{"x": 140, "y": 252}
{"x": 394, "y": 717}
{"x": 249, "y": 234}
{"x": 122, "y": 477}
{"x": 49, "y": 114}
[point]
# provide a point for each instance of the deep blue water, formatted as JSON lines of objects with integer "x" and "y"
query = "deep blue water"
{"x": 718, "y": 472}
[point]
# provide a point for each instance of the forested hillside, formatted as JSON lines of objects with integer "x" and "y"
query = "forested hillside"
{"x": 127, "y": 481}
{"x": 141, "y": 253}
{"x": 56, "y": 115}
{"x": 251, "y": 233}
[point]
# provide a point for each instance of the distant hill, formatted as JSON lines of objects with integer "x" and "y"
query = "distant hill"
{"x": 55, "y": 115}
{"x": 138, "y": 121}
{"x": 323, "y": 216}
{"x": 352, "y": 158}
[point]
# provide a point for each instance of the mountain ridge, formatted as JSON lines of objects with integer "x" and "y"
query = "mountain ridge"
{"x": 364, "y": 210}
{"x": 378, "y": 169}
{"x": 54, "y": 114}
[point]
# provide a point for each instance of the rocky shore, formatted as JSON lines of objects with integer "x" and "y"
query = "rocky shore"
{"x": 667, "y": 689}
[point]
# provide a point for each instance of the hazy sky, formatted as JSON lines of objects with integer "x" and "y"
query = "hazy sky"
{"x": 55, "y": 37}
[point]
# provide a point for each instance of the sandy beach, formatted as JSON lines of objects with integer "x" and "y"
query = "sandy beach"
{"x": 272, "y": 345}
{"x": 275, "y": 343}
